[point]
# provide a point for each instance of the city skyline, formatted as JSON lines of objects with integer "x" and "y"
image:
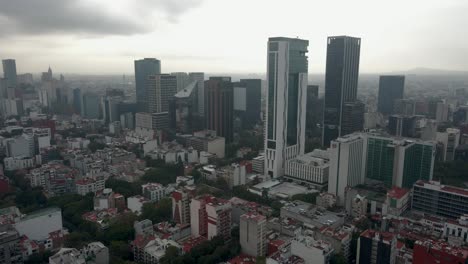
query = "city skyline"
{"x": 125, "y": 32}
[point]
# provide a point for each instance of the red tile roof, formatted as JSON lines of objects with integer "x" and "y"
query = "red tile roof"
{"x": 192, "y": 242}
{"x": 397, "y": 192}
{"x": 243, "y": 259}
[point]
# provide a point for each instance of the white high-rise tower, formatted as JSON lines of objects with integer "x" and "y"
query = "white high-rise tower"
{"x": 286, "y": 103}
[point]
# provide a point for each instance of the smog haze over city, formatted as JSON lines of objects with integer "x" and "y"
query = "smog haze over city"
{"x": 102, "y": 37}
{"x": 233, "y": 132}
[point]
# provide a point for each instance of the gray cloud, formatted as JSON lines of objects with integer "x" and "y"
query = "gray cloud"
{"x": 80, "y": 17}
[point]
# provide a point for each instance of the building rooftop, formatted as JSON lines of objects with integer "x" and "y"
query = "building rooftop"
{"x": 397, "y": 192}
{"x": 41, "y": 212}
{"x": 314, "y": 158}
{"x": 243, "y": 259}
{"x": 308, "y": 241}
{"x": 374, "y": 193}
{"x": 192, "y": 242}
{"x": 140, "y": 198}
{"x": 266, "y": 184}
{"x": 85, "y": 181}
{"x": 341, "y": 233}
{"x": 152, "y": 186}
{"x": 373, "y": 234}
{"x": 443, "y": 246}
{"x": 68, "y": 255}
{"x": 287, "y": 39}
{"x": 349, "y": 138}
{"x": 253, "y": 216}
{"x": 314, "y": 213}
{"x": 260, "y": 157}
{"x": 288, "y": 189}
{"x": 437, "y": 186}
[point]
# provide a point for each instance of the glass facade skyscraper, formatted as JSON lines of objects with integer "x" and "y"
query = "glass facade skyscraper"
{"x": 341, "y": 82}
{"x": 143, "y": 69}
{"x": 9, "y": 72}
{"x": 219, "y": 107}
{"x": 199, "y": 77}
{"x": 399, "y": 162}
{"x": 286, "y": 102}
{"x": 380, "y": 157}
{"x": 391, "y": 88}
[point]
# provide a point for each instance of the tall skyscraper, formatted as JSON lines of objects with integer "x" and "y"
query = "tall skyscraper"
{"x": 403, "y": 126}
{"x": 3, "y": 88}
{"x": 314, "y": 116}
{"x": 391, "y": 88}
{"x": 9, "y": 72}
{"x": 341, "y": 83}
{"x": 450, "y": 140}
{"x": 77, "y": 101}
{"x": 109, "y": 107}
{"x": 143, "y": 69}
{"x": 247, "y": 101}
{"x": 353, "y": 117}
{"x": 160, "y": 88}
{"x": 182, "y": 79}
{"x": 199, "y": 77}
{"x": 183, "y": 109}
{"x": 252, "y": 234}
{"x": 219, "y": 107}
{"x": 91, "y": 106}
{"x": 287, "y": 69}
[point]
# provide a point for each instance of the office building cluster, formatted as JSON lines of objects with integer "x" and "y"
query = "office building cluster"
{"x": 196, "y": 167}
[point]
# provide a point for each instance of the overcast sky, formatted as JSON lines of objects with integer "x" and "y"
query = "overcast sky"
{"x": 227, "y": 36}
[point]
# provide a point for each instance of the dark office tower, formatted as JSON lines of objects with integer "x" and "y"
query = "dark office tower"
{"x": 314, "y": 116}
{"x": 353, "y": 117}
{"x": 391, "y": 88}
{"x": 287, "y": 67}
{"x": 91, "y": 106}
{"x": 3, "y": 88}
{"x": 143, "y": 69}
{"x": 219, "y": 106}
{"x": 432, "y": 108}
{"x": 376, "y": 247}
{"x": 160, "y": 89}
{"x": 199, "y": 77}
{"x": 77, "y": 100}
{"x": 110, "y": 108}
{"x": 9, "y": 72}
{"x": 183, "y": 108}
{"x": 247, "y": 101}
{"x": 402, "y": 126}
{"x": 341, "y": 82}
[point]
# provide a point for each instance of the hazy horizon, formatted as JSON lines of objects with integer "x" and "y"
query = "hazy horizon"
{"x": 219, "y": 36}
